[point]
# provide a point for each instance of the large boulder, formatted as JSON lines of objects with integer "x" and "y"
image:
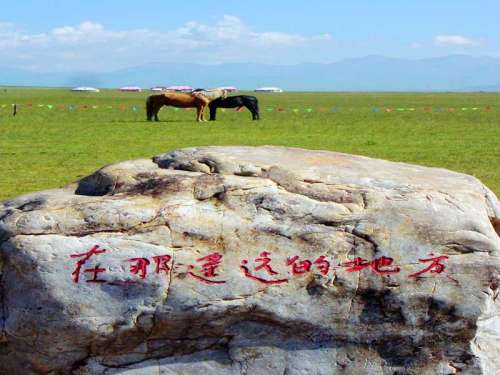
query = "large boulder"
{"x": 242, "y": 260}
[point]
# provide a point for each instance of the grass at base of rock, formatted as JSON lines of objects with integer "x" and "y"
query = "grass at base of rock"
{"x": 48, "y": 146}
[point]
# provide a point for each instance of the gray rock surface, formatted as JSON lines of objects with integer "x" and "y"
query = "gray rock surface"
{"x": 241, "y": 260}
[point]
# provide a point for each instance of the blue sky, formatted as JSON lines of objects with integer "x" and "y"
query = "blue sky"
{"x": 105, "y": 35}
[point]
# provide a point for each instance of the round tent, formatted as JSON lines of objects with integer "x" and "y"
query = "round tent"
{"x": 181, "y": 88}
{"x": 268, "y": 89}
{"x": 85, "y": 89}
{"x": 130, "y": 89}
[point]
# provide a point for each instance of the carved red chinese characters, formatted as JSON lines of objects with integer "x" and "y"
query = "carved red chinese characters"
{"x": 208, "y": 269}
{"x": 434, "y": 267}
{"x": 140, "y": 266}
{"x": 262, "y": 271}
{"x": 375, "y": 265}
{"x": 264, "y": 261}
{"x": 303, "y": 266}
{"x": 298, "y": 268}
{"x": 85, "y": 257}
{"x": 162, "y": 263}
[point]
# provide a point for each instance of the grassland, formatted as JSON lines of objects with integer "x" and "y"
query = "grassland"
{"x": 49, "y": 146}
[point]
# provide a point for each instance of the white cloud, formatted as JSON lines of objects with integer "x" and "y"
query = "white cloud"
{"x": 91, "y": 46}
{"x": 454, "y": 40}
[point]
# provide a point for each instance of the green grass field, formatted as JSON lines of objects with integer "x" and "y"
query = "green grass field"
{"x": 45, "y": 147}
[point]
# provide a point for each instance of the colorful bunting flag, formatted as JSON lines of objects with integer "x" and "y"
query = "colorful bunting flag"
{"x": 374, "y": 109}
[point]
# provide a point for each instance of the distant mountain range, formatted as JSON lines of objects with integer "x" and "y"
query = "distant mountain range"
{"x": 371, "y": 73}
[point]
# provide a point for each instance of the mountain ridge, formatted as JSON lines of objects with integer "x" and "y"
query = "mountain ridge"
{"x": 368, "y": 73}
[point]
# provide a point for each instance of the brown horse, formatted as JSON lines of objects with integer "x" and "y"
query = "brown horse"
{"x": 181, "y": 100}
{"x": 175, "y": 99}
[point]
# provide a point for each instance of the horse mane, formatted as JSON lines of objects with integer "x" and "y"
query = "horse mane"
{"x": 210, "y": 94}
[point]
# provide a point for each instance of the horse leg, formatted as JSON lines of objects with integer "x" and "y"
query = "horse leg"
{"x": 198, "y": 113}
{"x": 213, "y": 113}
{"x": 149, "y": 109}
{"x": 203, "y": 112}
{"x": 255, "y": 115}
{"x": 255, "y": 112}
{"x": 157, "y": 109}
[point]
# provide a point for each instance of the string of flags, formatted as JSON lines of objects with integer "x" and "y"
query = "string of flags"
{"x": 379, "y": 109}
{"x": 73, "y": 107}
{"x": 296, "y": 110}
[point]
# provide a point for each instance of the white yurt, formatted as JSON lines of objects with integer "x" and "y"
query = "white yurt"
{"x": 85, "y": 89}
{"x": 130, "y": 89}
{"x": 268, "y": 89}
{"x": 180, "y": 88}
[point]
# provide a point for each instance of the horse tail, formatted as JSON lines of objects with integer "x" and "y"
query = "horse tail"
{"x": 149, "y": 108}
